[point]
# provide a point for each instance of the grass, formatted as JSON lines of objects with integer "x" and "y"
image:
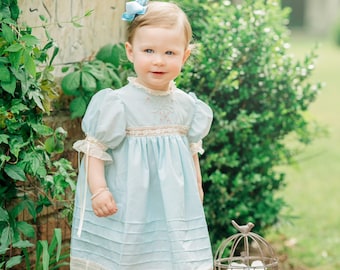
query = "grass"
{"x": 312, "y": 241}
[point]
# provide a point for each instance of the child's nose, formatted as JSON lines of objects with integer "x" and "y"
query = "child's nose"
{"x": 158, "y": 59}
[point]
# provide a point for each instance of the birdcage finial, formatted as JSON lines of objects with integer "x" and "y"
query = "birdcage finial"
{"x": 245, "y": 229}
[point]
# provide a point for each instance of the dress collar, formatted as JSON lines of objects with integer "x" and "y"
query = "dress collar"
{"x": 172, "y": 87}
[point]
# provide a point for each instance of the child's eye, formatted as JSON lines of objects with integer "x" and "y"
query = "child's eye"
{"x": 148, "y": 51}
{"x": 169, "y": 53}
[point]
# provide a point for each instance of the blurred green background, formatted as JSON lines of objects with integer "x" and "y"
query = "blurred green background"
{"x": 313, "y": 238}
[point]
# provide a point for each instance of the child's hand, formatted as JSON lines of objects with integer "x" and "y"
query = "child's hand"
{"x": 104, "y": 204}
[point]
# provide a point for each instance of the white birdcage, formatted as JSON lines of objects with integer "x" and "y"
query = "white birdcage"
{"x": 245, "y": 251}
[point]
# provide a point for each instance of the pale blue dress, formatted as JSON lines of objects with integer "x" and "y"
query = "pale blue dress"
{"x": 147, "y": 139}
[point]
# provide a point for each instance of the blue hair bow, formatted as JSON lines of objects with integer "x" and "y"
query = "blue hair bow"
{"x": 138, "y": 7}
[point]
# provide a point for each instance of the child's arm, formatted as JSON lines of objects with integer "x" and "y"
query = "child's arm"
{"x": 199, "y": 176}
{"x": 103, "y": 203}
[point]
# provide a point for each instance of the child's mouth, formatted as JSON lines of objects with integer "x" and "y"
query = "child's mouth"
{"x": 158, "y": 72}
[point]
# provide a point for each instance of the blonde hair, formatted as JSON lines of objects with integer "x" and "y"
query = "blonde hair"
{"x": 161, "y": 14}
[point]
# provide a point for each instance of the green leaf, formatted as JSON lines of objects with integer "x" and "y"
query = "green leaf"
{"x": 7, "y": 33}
{"x": 42, "y": 251}
{"x": 6, "y": 236}
{"x": 76, "y": 24}
{"x": 61, "y": 133}
{"x": 78, "y": 107}
{"x": 50, "y": 144}
{"x": 4, "y": 60}
{"x": 43, "y": 201}
{"x": 116, "y": 81}
{"x": 3, "y": 215}
{"x": 9, "y": 86}
{"x": 30, "y": 206}
{"x": 35, "y": 163}
{"x": 15, "y": 58}
{"x": 48, "y": 45}
{"x": 116, "y": 55}
{"x": 26, "y": 229}
{"x": 41, "y": 171}
{"x": 54, "y": 145}
{"x": 16, "y": 47}
{"x": 88, "y": 13}
{"x": 3, "y": 250}
{"x": 54, "y": 54}
{"x": 59, "y": 147}
{"x": 105, "y": 53}
{"x": 5, "y": 74}
{"x": 38, "y": 253}
{"x": 18, "y": 73}
{"x": 4, "y": 158}
{"x": 29, "y": 64}
{"x": 16, "y": 143}
{"x": 56, "y": 243}
{"x": 26, "y": 204}
{"x": 5, "y": 13}
{"x": 97, "y": 69}
{"x": 30, "y": 40}
{"x": 42, "y": 130}
{"x": 18, "y": 107}
{"x": 15, "y": 11}
{"x": 22, "y": 244}
{"x": 65, "y": 69}
{"x": 88, "y": 82}
{"x": 15, "y": 172}
{"x": 37, "y": 97}
{"x": 4, "y": 138}
{"x": 13, "y": 261}
{"x": 43, "y": 18}
{"x": 71, "y": 83}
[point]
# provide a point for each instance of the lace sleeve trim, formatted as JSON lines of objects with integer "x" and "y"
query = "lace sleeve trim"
{"x": 92, "y": 147}
{"x": 197, "y": 147}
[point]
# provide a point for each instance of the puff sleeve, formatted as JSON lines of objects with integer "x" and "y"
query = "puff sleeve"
{"x": 200, "y": 125}
{"x": 104, "y": 125}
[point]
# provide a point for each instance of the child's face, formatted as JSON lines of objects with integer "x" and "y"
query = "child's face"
{"x": 158, "y": 55}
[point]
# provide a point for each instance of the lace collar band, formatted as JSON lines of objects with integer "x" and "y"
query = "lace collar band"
{"x": 172, "y": 87}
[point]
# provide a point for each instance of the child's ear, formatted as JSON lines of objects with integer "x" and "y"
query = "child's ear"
{"x": 128, "y": 50}
{"x": 186, "y": 55}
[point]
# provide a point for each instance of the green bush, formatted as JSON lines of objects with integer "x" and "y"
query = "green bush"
{"x": 259, "y": 93}
{"x": 109, "y": 69}
{"x": 32, "y": 176}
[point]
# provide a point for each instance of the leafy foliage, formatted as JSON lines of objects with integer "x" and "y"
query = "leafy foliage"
{"x": 31, "y": 175}
{"x": 109, "y": 69}
{"x": 259, "y": 95}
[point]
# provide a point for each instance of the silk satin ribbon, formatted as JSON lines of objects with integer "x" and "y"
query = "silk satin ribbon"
{"x": 133, "y": 9}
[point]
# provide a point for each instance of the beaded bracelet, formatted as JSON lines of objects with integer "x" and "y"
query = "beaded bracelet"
{"x": 100, "y": 191}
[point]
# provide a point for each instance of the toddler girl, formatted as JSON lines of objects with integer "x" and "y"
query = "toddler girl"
{"x": 139, "y": 195}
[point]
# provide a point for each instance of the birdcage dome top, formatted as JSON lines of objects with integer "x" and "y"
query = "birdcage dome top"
{"x": 245, "y": 250}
